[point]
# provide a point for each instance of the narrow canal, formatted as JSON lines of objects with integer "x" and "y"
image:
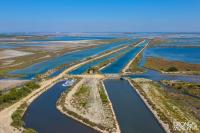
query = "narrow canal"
{"x": 131, "y": 112}
{"x": 85, "y": 67}
{"x": 121, "y": 62}
{"x": 43, "y": 116}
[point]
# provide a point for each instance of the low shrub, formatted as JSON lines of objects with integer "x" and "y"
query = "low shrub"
{"x": 103, "y": 95}
{"x": 17, "y": 93}
{"x": 17, "y": 116}
{"x": 172, "y": 69}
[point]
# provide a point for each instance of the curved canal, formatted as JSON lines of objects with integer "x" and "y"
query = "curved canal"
{"x": 43, "y": 116}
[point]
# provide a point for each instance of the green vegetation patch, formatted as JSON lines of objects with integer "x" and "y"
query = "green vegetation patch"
{"x": 16, "y": 94}
{"x": 17, "y": 116}
{"x": 103, "y": 95}
{"x": 192, "y": 89}
{"x": 81, "y": 96}
{"x": 172, "y": 69}
{"x": 29, "y": 130}
{"x": 17, "y": 119}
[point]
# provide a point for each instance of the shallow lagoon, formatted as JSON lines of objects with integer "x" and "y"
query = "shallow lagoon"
{"x": 68, "y": 58}
{"x": 190, "y": 55}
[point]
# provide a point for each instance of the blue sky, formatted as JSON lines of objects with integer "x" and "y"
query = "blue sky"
{"x": 99, "y": 15}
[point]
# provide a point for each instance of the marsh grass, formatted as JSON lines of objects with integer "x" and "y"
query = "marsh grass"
{"x": 170, "y": 106}
{"x": 160, "y": 64}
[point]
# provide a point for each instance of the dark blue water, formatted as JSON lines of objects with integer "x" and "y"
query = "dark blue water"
{"x": 43, "y": 116}
{"x": 190, "y": 55}
{"x": 38, "y": 68}
{"x": 121, "y": 62}
{"x": 131, "y": 112}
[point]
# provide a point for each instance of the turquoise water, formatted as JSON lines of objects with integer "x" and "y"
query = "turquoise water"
{"x": 68, "y": 58}
{"x": 85, "y": 67}
{"x": 121, "y": 62}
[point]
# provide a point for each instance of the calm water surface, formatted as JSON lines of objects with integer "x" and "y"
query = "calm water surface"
{"x": 190, "y": 55}
{"x": 132, "y": 114}
{"x": 85, "y": 67}
{"x": 121, "y": 62}
{"x": 43, "y": 116}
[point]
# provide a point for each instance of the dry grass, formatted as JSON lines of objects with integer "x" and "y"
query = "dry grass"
{"x": 157, "y": 41}
{"x": 160, "y": 64}
{"x": 171, "y": 107}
